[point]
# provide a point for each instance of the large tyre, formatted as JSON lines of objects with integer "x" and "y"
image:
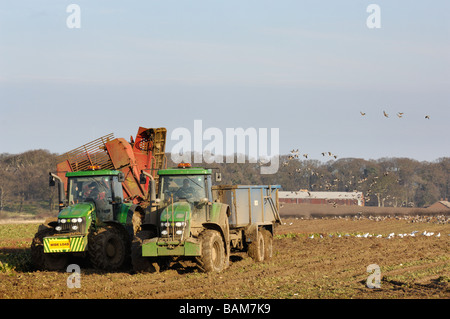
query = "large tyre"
{"x": 49, "y": 261}
{"x": 268, "y": 244}
{"x": 109, "y": 248}
{"x": 213, "y": 251}
{"x": 256, "y": 248}
{"x": 140, "y": 263}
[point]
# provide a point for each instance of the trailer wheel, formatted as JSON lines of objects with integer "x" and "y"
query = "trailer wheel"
{"x": 109, "y": 248}
{"x": 140, "y": 263}
{"x": 268, "y": 244}
{"x": 43, "y": 261}
{"x": 213, "y": 251}
{"x": 256, "y": 248}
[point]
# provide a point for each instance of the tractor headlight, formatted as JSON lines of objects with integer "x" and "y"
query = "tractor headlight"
{"x": 74, "y": 227}
{"x": 63, "y": 221}
{"x": 164, "y": 232}
{"x": 179, "y": 224}
{"x": 58, "y": 228}
{"x": 179, "y": 232}
{"x": 80, "y": 219}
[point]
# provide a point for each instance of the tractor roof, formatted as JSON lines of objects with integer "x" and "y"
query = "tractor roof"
{"x": 185, "y": 171}
{"x": 100, "y": 172}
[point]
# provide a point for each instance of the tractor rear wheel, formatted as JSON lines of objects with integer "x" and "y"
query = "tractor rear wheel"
{"x": 46, "y": 261}
{"x": 213, "y": 251}
{"x": 109, "y": 248}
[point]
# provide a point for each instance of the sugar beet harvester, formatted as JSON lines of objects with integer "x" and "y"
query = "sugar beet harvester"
{"x": 103, "y": 205}
{"x": 193, "y": 220}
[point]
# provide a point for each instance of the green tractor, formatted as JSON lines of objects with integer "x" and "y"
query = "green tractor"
{"x": 103, "y": 205}
{"x": 96, "y": 223}
{"x": 192, "y": 220}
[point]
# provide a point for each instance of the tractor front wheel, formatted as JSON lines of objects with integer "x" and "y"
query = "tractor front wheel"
{"x": 213, "y": 251}
{"x": 46, "y": 261}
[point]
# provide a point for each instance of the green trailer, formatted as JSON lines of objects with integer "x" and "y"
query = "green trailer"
{"x": 193, "y": 220}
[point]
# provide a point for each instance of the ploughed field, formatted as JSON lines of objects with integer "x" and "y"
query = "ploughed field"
{"x": 313, "y": 257}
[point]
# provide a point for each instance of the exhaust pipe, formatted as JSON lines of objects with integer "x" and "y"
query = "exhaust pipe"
{"x": 152, "y": 185}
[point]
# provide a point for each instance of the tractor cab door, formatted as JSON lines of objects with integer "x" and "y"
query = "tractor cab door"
{"x": 96, "y": 189}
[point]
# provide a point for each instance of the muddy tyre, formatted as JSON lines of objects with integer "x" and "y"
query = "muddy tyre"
{"x": 139, "y": 262}
{"x": 109, "y": 248}
{"x": 49, "y": 261}
{"x": 268, "y": 244}
{"x": 213, "y": 251}
{"x": 256, "y": 249}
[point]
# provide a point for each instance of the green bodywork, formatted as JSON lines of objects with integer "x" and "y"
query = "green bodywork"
{"x": 103, "y": 172}
{"x": 185, "y": 217}
{"x": 77, "y": 240}
{"x": 184, "y": 171}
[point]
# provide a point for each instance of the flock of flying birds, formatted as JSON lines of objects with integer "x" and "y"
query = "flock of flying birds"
{"x": 399, "y": 114}
{"x": 295, "y": 152}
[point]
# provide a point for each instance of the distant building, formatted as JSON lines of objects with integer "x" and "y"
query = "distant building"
{"x": 441, "y": 205}
{"x": 335, "y": 198}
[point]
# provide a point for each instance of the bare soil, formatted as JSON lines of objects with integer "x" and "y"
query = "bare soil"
{"x": 301, "y": 267}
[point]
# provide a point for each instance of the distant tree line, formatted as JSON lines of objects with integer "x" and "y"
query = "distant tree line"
{"x": 393, "y": 182}
{"x": 398, "y": 182}
{"x": 24, "y": 182}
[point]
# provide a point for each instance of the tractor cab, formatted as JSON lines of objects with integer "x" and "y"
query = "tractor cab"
{"x": 101, "y": 187}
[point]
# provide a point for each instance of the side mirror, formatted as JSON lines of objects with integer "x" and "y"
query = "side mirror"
{"x": 121, "y": 177}
{"x": 142, "y": 178}
{"x": 218, "y": 177}
{"x": 51, "y": 181}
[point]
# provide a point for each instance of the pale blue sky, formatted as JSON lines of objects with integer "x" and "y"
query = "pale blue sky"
{"x": 305, "y": 67}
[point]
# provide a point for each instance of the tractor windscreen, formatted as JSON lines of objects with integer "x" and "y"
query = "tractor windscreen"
{"x": 96, "y": 188}
{"x": 188, "y": 187}
{"x": 99, "y": 189}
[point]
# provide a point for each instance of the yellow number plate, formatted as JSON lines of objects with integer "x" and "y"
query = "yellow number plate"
{"x": 59, "y": 244}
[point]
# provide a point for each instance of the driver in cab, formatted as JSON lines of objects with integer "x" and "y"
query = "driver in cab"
{"x": 186, "y": 191}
